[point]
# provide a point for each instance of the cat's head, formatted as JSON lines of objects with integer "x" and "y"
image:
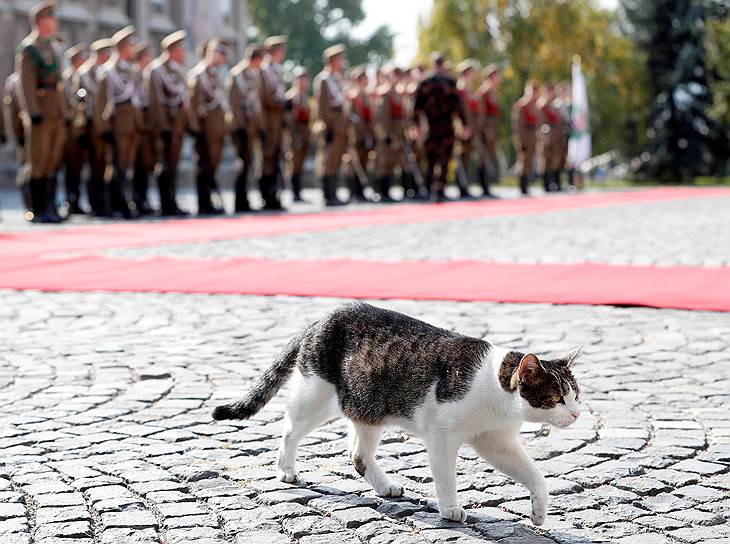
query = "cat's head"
{"x": 548, "y": 389}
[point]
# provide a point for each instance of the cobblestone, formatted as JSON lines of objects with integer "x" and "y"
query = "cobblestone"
{"x": 105, "y": 401}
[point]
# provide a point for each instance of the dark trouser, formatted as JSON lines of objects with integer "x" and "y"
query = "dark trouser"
{"x": 244, "y": 147}
{"x": 205, "y": 178}
{"x": 96, "y": 185}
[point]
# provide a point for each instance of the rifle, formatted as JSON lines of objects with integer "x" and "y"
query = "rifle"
{"x": 412, "y": 164}
{"x": 358, "y": 168}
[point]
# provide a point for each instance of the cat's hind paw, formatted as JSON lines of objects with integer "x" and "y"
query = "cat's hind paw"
{"x": 539, "y": 511}
{"x": 453, "y": 513}
{"x": 390, "y": 490}
{"x": 288, "y": 476}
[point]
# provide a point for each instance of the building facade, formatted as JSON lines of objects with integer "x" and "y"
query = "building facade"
{"x": 88, "y": 20}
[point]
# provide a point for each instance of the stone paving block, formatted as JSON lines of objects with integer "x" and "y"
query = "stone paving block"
{"x": 352, "y": 518}
{"x": 136, "y": 519}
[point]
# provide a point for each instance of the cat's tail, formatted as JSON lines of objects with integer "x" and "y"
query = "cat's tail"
{"x": 266, "y": 387}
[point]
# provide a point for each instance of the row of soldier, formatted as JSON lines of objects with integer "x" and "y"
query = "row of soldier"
{"x": 126, "y": 114}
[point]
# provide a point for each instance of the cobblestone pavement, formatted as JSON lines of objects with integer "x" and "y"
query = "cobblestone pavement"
{"x": 105, "y": 401}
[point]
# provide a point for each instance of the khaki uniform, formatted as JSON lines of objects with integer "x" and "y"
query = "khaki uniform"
{"x": 551, "y": 144}
{"x": 298, "y": 137}
{"x": 207, "y": 108}
{"x": 362, "y": 137}
{"x": 90, "y": 135}
{"x": 273, "y": 105}
{"x": 525, "y": 121}
{"x": 491, "y": 116}
{"x": 146, "y": 158}
{"x": 390, "y": 134}
{"x": 38, "y": 63}
{"x": 168, "y": 115}
{"x": 119, "y": 118}
{"x": 14, "y": 127}
{"x": 245, "y": 122}
{"x": 74, "y": 154}
{"x": 331, "y": 105}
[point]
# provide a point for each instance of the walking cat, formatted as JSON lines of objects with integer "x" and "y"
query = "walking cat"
{"x": 378, "y": 367}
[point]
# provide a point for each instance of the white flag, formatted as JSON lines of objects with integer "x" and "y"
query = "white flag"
{"x": 579, "y": 148}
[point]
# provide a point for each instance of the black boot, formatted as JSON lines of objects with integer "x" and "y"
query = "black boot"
{"x": 141, "y": 184}
{"x": 410, "y": 189}
{"x": 524, "y": 185}
{"x": 268, "y": 193}
{"x": 296, "y": 187}
{"x": 546, "y": 181}
{"x": 329, "y": 188}
{"x": 39, "y": 202}
{"x": 557, "y": 183}
{"x": 384, "y": 189}
{"x": 205, "y": 205}
{"x": 356, "y": 192}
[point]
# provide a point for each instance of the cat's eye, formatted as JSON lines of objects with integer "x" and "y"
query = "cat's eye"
{"x": 557, "y": 399}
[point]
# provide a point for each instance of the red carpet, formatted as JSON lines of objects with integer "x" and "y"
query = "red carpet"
{"x": 672, "y": 287}
{"x": 100, "y": 237}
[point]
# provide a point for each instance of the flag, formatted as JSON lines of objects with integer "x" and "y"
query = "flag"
{"x": 579, "y": 148}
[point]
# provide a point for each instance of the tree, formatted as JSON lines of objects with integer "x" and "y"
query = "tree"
{"x": 314, "y": 25}
{"x": 537, "y": 39}
{"x": 683, "y": 141}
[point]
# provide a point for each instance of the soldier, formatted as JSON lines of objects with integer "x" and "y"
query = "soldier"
{"x": 470, "y": 127}
{"x": 74, "y": 152}
{"x": 362, "y": 121}
{"x": 85, "y": 122}
{"x": 438, "y": 101}
{"x": 563, "y": 104}
{"x": 390, "y": 132}
{"x": 119, "y": 117}
{"x": 331, "y": 102}
{"x": 298, "y": 125}
{"x": 489, "y": 125}
{"x": 168, "y": 113}
{"x": 415, "y": 134}
{"x": 274, "y": 104}
{"x": 14, "y": 127}
{"x": 245, "y": 120}
{"x": 525, "y": 121}
{"x": 552, "y": 137}
{"x": 209, "y": 114}
{"x": 38, "y": 63}
{"x": 145, "y": 161}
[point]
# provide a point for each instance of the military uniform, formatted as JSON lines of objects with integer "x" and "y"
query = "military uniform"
{"x": 144, "y": 163}
{"x": 362, "y": 139}
{"x": 470, "y": 129}
{"x": 208, "y": 109}
{"x": 74, "y": 153}
{"x": 331, "y": 108}
{"x": 551, "y": 146}
{"x": 14, "y": 127}
{"x": 119, "y": 118}
{"x": 525, "y": 122}
{"x": 245, "y": 119}
{"x": 298, "y": 132}
{"x": 390, "y": 132}
{"x": 491, "y": 116}
{"x": 38, "y": 63}
{"x": 168, "y": 113}
{"x": 438, "y": 100}
{"x": 86, "y": 125}
{"x": 274, "y": 104}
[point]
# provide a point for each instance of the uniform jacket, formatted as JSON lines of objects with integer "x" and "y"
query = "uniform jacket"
{"x": 38, "y": 63}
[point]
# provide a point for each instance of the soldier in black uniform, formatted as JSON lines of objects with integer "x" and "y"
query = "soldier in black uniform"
{"x": 438, "y": 100}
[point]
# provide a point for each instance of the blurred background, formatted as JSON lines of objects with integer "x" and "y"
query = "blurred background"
{"x": 658, "y": 71}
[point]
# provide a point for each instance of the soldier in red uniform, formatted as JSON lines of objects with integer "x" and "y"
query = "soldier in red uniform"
{"x": 525, "y": 124}
{"x": 552, "y": 139}
{"x": 491, "y": 115}
{"x": 469, "y": 128}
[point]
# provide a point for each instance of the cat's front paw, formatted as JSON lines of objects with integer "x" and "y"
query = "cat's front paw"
{"x": 288, "y": 476}
{"x": 390, "y": 490}
{"x": 539, "y": 509}
{"x": 453, "y": 513}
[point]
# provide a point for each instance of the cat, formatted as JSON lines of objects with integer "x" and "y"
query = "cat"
{"x": 380, "y": 368}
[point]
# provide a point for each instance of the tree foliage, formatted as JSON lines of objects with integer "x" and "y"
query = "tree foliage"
{"x": 683, "y": 141}
{"x": 314, "y": 25}
{"x": 537, "y": 39}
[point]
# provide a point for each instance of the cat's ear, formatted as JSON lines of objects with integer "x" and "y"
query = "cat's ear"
{"x": 568, "y": 358}
{"x": 529, "y": 371}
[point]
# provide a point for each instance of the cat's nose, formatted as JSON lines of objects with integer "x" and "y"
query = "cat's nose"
{"x": 575, "y": 414}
